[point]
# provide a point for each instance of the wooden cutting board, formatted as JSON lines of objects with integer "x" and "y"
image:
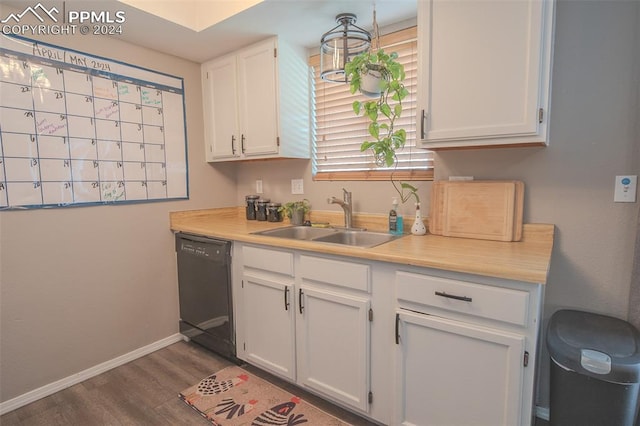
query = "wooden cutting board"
{"x": 487, "y": 210}
{"x": 437, "y": 207}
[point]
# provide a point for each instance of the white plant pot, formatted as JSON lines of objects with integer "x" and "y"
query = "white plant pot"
{"x": 297, "y": 217}
{"x": 370, "y": 83}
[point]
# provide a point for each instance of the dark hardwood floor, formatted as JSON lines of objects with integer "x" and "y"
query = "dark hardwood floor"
{"x": 144, "y": 392}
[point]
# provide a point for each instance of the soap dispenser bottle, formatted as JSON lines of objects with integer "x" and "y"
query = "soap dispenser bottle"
{"x": 396, "y": 221}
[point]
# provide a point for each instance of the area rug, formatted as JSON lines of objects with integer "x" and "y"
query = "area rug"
{"x": 235, "y": 397}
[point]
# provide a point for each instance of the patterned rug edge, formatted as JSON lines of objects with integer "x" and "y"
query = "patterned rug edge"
{"x": 204, "y": 416}
{"x": 214, "y": 385}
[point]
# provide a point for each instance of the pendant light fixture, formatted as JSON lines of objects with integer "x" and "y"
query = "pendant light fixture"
{"x": 339, "y": 45}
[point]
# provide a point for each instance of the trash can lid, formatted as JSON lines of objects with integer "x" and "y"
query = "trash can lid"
{"x": 596, "y": 345}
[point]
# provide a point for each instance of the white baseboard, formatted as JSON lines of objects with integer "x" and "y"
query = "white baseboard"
{"x": 542, "y": 412}
{"x": 61, "y": 384}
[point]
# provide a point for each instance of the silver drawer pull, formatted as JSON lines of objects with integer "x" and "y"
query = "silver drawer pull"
{"x": 453, "y": 296}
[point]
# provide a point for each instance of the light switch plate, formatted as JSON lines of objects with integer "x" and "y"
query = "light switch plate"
{"x": 297, "y": 186}
{"x": 625, "y": 189}
{"x": 259, "y": 186}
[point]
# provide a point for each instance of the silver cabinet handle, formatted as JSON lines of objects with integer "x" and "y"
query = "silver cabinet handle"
{"x": 300, "y": 307}
{"x": 286, "y": 298}
{"x": 452, "y": 296}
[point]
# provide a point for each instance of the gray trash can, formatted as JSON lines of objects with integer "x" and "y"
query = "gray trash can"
{"x": 595, "y": 369}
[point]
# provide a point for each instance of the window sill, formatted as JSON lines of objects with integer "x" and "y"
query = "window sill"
{"x": 376, "y": 175}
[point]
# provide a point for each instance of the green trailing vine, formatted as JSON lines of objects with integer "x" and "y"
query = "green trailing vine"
{"x": 383, "y": 111}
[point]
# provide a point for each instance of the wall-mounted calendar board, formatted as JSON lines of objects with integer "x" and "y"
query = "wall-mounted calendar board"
{"x": 78, "y": 129}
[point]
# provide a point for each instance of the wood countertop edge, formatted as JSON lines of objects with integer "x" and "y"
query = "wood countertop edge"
{"x": 527, "y": 260}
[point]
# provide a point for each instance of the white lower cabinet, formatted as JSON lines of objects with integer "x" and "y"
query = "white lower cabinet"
{"x": 333, "y": 346}
{"x": 333, "y": 329}
{"x": 269, "y": 325}
{"x": 465, "y": 351}
{"x": 398, "y": 344}
{"x": 311, "y": 326}
{"x": 453, "y": 373}
{"x": 267, "y": 328}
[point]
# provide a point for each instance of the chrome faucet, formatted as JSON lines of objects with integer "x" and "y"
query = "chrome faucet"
{"x": 346, "y": 205}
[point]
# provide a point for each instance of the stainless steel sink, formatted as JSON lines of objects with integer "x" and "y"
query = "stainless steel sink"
{"x": 350, "y": 237}
{"x": 365, "y": 239}
{"x": 298, "y": 232}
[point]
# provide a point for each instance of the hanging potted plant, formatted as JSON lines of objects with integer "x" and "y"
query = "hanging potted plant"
{"x": 382, "y": 113}
{"x": 370, "y": 71}
{"x": 296, "y": 211}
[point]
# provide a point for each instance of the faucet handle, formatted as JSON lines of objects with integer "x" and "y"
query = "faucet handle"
{"x": 347, "y": 195}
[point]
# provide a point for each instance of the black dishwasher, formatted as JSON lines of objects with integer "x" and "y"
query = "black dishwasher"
{"x": 204, "y": 283}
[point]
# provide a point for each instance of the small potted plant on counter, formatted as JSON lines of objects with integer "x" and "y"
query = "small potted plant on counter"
{"x": 296, "y": 211}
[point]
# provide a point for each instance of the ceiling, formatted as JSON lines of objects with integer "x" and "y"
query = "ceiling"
{"x": 301, "y": 21}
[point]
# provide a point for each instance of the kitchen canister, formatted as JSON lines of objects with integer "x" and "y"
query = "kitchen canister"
{"x": 251, "y": 206}
{"x": 273, "y": 212}
{"x": 261, "y": 209}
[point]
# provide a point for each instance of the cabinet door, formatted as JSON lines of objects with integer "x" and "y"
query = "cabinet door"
{"x": 454, "y": 373}
{"x": 481, "y": 67}
{"x": 258, "y": 99}
{"x": 333, "y": 345}
{"x": 269, "y": 325}
{"x": 220, "y": 109}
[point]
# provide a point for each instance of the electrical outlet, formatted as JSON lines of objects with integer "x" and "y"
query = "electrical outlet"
{"x": 259, "y": 186}
{"x": 297, "y": 186}
{"x": 625, "y": 189}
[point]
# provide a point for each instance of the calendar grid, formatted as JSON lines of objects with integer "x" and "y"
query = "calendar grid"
{"x": 73, "y": 135}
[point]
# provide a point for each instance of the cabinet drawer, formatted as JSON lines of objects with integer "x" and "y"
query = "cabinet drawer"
{"x": 335, "y": 272}
{"x": 268, "y": 260}
{"x": 480, "y": 300}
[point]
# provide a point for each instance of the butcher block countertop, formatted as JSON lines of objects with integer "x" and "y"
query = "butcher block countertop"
{"x": 526, "y": 260}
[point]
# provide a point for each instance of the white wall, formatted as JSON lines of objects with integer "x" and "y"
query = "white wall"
{"x": 370, "y": 197}
{"x": 80, "y": 286}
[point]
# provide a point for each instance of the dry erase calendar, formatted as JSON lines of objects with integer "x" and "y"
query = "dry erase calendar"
{"x": 77, "y": 129}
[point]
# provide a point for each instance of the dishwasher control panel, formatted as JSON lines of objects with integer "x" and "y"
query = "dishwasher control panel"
{"x": 212, "y": 249}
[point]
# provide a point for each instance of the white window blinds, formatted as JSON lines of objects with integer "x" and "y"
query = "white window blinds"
{"x": 339, "y": 132}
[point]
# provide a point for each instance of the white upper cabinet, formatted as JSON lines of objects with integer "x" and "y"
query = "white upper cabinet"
{"x": 258, "y": 99}
{"x": 256, "y": 103}
{"x": 219, "y": 82}
{"x": 484, "y": 74}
